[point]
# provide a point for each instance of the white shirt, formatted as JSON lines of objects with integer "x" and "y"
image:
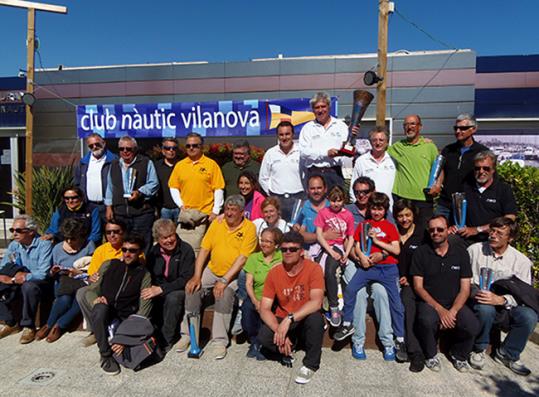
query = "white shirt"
{"x": 94, "y": 187}
{"x": 382, "y": 173}
{"x": 280, "y": 172}
{"x": 261, "y": 224}
{"x": 315, "y": 141}
{"x": 510, "y": 263}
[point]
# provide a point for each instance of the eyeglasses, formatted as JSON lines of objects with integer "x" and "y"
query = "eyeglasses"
{"x": 484, "y": 168}
{"x": 126, "y": 149}
{"x": 71, "y": 198}
{"x": 18, "y": 230}
{"x": 192, "y": 145}
{"x": 93, "y": 146}
{"x": 113, "y": 231}
{"x": 437, "y": 229}
{"x": 462, "y": 127}
{"x": 290, "y": 249}
{"x": 130, "y": 250}
{"x": 170, "y": 147}
{"x": 360, "y": 192}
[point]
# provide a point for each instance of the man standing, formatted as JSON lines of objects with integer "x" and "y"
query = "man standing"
{"x": 376, "y": 165}
{"x": 227, "y": 244}
{"x": 116, "y": 295}
{"x": 497, "y": 310}
{"x": 92, "y": 172}
{"x": 488, "y": 198}
{"x": 241, "y": 161}
{"x": 413, "y": 157}
{"x": 442, "y": 278}
{"x": 458, "y": 166}
{"x": 171, "y": 264}
{"x": 280, "y": 173}
{"x": 167, "y": 207}
{"x": 25, "y": 267}
{"x": 131, "y": 189}
{"x": 320, "y": 141}
{"x": 196, "y": 186}
{"x": 304, "y": 222}
{"x": 295, "y": 289}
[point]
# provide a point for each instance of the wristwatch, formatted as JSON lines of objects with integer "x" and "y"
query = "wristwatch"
{"x": 223, "y": 280}
{"x": 13, "y": 280}
{"x": 291, "y": 318}
{"x": 480, "y": 229}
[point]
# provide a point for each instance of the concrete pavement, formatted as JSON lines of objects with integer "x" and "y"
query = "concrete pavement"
{"x": 66, "y": 369}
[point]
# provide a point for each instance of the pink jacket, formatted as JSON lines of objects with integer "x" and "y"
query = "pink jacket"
{"x": 256, "y": 211}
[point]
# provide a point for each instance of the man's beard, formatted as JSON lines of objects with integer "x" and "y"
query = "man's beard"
{"x": 98, "y": 153}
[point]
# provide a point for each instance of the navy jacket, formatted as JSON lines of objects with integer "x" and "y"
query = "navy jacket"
{"x": 79, "y": 174}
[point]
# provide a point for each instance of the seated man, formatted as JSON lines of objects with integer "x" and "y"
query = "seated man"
{"x": 442, "y": 278}
{"x": 296, "y": 289}
{"x": 171, "y": 264}
{"x": 501, "y": 310}
{"x": 227, "y": 244}
{"x": 25, "y": 266}
{"x": 116, "y": 295}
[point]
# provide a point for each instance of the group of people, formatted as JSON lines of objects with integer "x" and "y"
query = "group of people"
{"x": 281, "y": 250}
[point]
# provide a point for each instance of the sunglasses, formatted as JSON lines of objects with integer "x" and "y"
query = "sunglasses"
{"x": 290, "y": 249}
{"x": 113, "y": 231}
{"x": 71, "y": 198}
{"x": 93, "y": 146}
{"x": 436, "y": 229}
{"x": 131, "y": 250}
{"x": 360, "y": 192}
{"x": 479, "y": 168}
{"x": 170, "y": 148}
{"x": 125, "y": 149}
{"x": 18, "y": 230}
{"x": 192, "y": 145}
{"x": 462, "y": 127}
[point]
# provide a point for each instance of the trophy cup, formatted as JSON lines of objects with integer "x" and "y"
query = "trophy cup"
{"x": 435, "y": 170}
{"x": 129, "y": 182}
{"x": 362, "y": 99}
{"x": 364, "y": 240}
{"x": 298, "y": 205}
{"x": 459, "y": 209}
{"x": 486, "y": 277}
{"x": 193, "y": 320}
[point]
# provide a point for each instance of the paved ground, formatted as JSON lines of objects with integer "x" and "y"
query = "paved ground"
{"x": 78, "y": 374}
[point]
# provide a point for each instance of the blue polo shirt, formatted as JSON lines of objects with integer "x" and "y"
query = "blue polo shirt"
{"x": 307, "y": 216}
{"x": 37, "y": 257}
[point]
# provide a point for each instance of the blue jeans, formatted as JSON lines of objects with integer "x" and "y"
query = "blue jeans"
{"x": 522, "y": 321}
{"x": 388, "y": 276}
{"x": 170, "y": 213}
{"x": 250, "y": 320}
{"x": 241, "y": 292}
{"x": 64, "y": 310}
{"x": 383, "y": 315}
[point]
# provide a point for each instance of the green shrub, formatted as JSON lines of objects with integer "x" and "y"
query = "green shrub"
{"x": 525, "y": 184}
{"x": 47, "y": 186}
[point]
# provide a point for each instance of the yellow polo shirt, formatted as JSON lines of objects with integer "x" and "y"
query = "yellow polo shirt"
{"x": 105, "y": 252}
{"x": 226, "y": 245}
{"x": 196, "y": 181}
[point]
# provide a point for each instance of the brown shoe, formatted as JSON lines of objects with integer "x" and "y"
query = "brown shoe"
{"x": 89, "y": 340}
{"x": 28, "y": 335}
{"x": 43, "y": 332}
{"x": 55, "y": 334}
{"x": 7, "y": 330}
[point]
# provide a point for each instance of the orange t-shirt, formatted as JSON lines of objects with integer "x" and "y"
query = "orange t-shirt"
{"x": 291, "y": 293}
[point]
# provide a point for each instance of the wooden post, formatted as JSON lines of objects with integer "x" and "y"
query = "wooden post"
{"x": 383, "y": 14}
{"x": 30, "y": 52}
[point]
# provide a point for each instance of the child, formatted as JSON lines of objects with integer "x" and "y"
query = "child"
{"x": 380, "y": 265}
{"x": 337, "y": 221}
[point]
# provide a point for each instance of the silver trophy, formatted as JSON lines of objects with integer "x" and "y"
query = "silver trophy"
{"x": 486, "y": 277}
{"x": 296, "y": 209}
{"x": 364, "y": 240}
{"x": 435, "y": 170}
{"x": 460, "y": 206}
{"x": 129, "y": 182}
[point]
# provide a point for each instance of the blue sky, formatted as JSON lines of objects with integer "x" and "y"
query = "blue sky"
{"x": 99, "y": 32}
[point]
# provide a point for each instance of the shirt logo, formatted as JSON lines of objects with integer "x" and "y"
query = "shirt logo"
{"x": 490, "y": 200}
{"x": 455, "y": 267}
{"x": 295, "y": 294}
